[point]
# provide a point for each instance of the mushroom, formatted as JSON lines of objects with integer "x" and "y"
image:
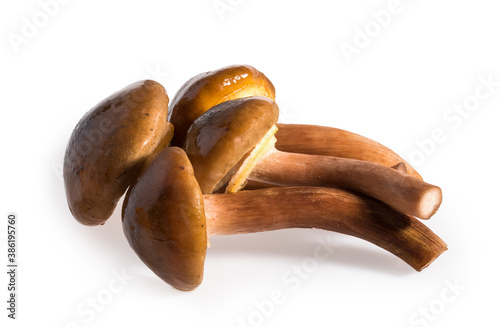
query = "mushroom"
{"x": 206, "y": 90}
{"x": 167, "y": 219}
{"x": 235, "y": 140}
{"x": 109, "y": 145}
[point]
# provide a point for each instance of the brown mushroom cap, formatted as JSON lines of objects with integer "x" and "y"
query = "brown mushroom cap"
{"x": 108, "y": 147}
{"x": 206, "y": 90}
{"x": 222, "y": 136}
{"x": 164, "y": 220}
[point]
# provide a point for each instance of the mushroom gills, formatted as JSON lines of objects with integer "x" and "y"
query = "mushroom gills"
{"x": 238, "y": 181}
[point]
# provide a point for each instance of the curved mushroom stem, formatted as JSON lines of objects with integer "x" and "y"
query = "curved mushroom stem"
{"x": 399, "y": 190}
{"x": 335, "y": 142}
{"x": 324, "y": 208}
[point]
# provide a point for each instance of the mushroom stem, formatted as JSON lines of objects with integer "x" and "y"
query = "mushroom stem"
{"x": 255, "y": 185}
{"x": 336, "y": 142}
{"x": 323, "y": 208}
{"x": 401, "y": 191}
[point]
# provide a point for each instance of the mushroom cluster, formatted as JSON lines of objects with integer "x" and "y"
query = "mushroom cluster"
{"x": 230, "y": 168}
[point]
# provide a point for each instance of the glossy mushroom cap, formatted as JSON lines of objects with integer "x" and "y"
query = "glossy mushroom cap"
{"x": 206, "y": 90}
{"x": 108, "y": 147}
{"x": 222, "y": 136}
{"x": 164, "y": 220}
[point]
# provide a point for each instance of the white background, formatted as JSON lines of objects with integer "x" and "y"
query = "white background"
{"x": 397, "y": 89}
